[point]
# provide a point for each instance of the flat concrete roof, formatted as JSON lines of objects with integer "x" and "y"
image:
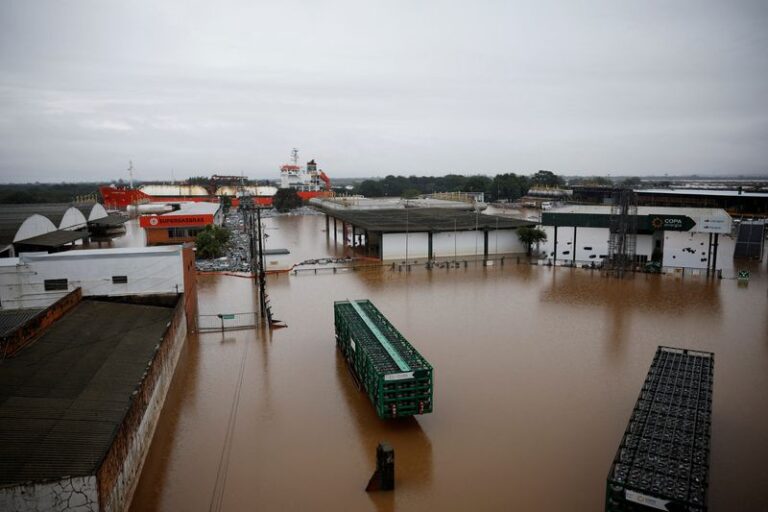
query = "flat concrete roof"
{"x": 424, "y": 219}
{"x": 63, "y": 398}
{"x": 642, "y": 210}
{"x": 701, "y": 192}
{"x": 197, "y": 208}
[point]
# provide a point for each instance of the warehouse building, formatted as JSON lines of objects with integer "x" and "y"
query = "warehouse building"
{"x": 182, "y": 224}
{"x": 51, "y": 227}
{"x": 676, "y": 237}
{"x": 424, "y": 233}
{"x": 36, "y": 280}
{"x": 86, "y": 370}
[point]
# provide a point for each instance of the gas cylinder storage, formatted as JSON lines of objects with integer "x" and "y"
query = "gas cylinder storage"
{"x": 397, "y": 379}
{"x": 663, "y": 459}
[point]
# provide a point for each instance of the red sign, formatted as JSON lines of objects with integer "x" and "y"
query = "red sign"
{"x": 174, "y": 221}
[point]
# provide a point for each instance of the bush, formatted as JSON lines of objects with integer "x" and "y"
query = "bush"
{"x": 211, "y": 242}
{"x": 286, "y": 199}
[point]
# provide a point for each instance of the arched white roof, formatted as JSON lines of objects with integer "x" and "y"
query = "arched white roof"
{"x": 33, "y": 226}
{"x": 72, "y": 219}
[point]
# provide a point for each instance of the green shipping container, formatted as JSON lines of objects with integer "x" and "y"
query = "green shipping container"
{"x": 396, "y": 377}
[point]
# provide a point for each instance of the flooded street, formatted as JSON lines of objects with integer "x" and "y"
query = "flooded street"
{"x": 536, "y": 373}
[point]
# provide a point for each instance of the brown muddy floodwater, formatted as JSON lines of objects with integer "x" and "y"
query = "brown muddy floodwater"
{"x": 536, "y": 372}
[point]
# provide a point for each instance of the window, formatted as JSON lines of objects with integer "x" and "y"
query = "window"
{"x": 52, "y": 285}
{"x": 119, "y": 279}
{"x": 587, "y": 248}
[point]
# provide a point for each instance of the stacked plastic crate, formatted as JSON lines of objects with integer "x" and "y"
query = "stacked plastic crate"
{"x": 663, "y": 460}
{"x": 397, "y": 379}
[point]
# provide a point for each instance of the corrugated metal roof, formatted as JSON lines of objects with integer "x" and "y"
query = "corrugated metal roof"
{"x": 10, "y": 319}
{"x": 111, "y": 220}
{"x": 54, "y": 238}
{"x": 63, "y": 398}
{"x": 424, "y": 219}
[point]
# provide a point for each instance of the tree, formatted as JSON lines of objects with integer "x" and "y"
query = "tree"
{"x": 226, "y": 203}
{"x": 547, "y": 179}
{"x": 410, "y": 193}
{"x": 531, "y": 235}
{"x": 370, "y": 188}
{"x": 211, "y": 241}
{"x": 286, "y": 199}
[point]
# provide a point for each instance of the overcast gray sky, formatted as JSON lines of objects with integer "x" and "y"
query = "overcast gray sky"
{"x": 370, "y": 88}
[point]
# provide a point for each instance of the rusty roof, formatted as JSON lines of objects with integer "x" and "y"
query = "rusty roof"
{"x": 63, "y": 398}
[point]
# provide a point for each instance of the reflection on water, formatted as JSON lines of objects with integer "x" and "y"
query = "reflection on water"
{"x": 536, "y": 372}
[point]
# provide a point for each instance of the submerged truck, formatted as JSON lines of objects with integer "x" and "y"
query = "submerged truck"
{"x": 397, "y": 379}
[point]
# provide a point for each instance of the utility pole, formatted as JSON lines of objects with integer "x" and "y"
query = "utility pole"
{"x": 261, "y": 269}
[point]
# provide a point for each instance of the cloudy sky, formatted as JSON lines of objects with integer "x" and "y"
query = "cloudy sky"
{"x": 370, "y": 88}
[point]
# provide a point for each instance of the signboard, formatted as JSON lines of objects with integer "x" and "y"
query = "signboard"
{"x": 172, "y": 221}
{"x": 671, "y": 222}
{"x": 226, "y": 317}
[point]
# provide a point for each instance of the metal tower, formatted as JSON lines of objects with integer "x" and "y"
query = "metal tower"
{"x": 623, "y": 232}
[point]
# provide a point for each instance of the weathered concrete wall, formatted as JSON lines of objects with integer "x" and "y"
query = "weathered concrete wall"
{"x": 119, "y": 471}
{"x": 24, "y": 334}
{"x": 190, "y": 287}
{"x": 77, "y": 494}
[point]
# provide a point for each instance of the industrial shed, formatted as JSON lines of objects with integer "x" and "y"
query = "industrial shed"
{"x": 424, "y": 233}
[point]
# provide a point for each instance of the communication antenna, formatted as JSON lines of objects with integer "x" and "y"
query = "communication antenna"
{"x": 295, "y": 156}
{"x": 130, "y": 172}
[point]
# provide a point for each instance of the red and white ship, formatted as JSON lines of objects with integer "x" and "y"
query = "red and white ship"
{"x": 308, "y": 182}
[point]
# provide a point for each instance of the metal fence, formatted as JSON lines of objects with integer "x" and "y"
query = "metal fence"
{"x": 227, "y": 321}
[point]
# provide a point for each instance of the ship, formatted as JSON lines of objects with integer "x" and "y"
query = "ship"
{"x": 308, "y": 181}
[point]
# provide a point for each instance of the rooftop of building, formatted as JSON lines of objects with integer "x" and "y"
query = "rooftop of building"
{"x": 196, "y": 208}
{"x": 10, "y": 319}
{"x": 599, "y": 209}
{"x": 425, "y": 219}
{"x": 702, "y": 192}
{"x": 63, "y": 398}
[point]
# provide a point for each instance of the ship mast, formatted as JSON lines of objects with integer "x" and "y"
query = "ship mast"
{"x": 130, "y": 173}
{"x": 295, "y": 156}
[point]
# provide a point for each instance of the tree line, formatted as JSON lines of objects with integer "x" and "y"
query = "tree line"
{"x": 507, "y": 186}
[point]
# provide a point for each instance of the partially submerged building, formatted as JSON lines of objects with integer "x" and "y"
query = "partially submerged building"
{"x": 677, "y": 237}
{"x": 182, "y": 224}
{"x": 86, "y": 369}
{"x": 424, "y": 233}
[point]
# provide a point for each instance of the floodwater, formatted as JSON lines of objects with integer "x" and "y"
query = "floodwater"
{"x": 536, "y": 373}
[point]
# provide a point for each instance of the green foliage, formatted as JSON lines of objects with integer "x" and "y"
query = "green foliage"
{"x": 286, "y": 199}
{"x": 592, "y": 181}
{"x": 547, "y": 179}
{"x": 370, "y": 188}
{"x": 45, "y": 192}
{"x": 211, "y": 242}
{"x": 508, "y": 186}
{"x": 410, "y": 193}
{"x": 531, "y": 235}
{"x": 226, "y": 203}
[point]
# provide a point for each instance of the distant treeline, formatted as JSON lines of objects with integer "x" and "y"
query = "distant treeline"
{"x": 508, "y": 186}
{"x": 46, "y": 192}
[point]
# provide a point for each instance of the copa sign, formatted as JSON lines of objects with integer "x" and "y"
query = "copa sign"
{"x": 671, "y": 222}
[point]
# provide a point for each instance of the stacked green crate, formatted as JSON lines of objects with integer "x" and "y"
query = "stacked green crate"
{"x": 663, "y": 460}
{"x": 397, "y": 379}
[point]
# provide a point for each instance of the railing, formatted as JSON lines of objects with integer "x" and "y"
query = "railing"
{"x": 227, "y": 321}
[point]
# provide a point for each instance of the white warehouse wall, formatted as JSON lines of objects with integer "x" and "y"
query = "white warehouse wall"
{"x": 150, "y": 270}
{"x": 445, "y": 244}
{"x": 393, "y": 246}
{"x": 684, "y": 249}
